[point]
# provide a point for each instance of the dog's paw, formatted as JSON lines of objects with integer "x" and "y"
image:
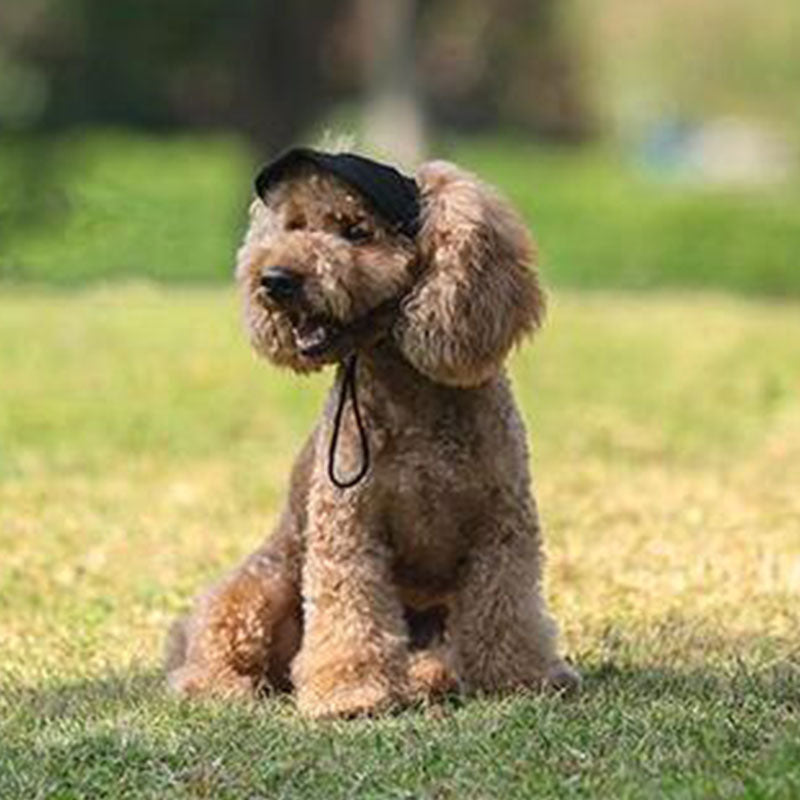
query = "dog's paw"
{"x": 347, "y": 702}
{"x": 562, "y": 678}
{"x": 191, "y": 681}
{"x": 429, "y": 675}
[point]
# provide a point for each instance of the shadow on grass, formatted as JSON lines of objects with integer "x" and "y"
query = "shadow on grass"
{"x": 102, "y": 697}
{"x": 88, "y": 697}
{"x": 778, "y": 683}
{"x": 123, "y": 735}
{"x": 117, "y": 735}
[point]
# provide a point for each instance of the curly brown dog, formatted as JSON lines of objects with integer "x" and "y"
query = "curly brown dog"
{"x": 424, "y": 575}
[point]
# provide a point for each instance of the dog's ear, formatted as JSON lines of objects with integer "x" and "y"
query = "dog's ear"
{"x": 478, "y": 292}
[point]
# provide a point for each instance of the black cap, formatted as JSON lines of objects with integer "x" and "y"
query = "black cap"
{"x": 394, "y": 195}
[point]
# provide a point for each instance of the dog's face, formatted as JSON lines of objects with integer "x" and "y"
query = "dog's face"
{"x": 319, "y": 267}
{"x": 317, "y": 259}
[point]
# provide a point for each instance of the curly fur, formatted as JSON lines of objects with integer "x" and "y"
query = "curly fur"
{"x": 426, "y": 576}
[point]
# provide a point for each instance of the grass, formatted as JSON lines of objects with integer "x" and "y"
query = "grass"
{"x": 92, "y": 206}
{"x": 106, "y": 205}
{"x": 143, "y": 451}
{"x": 603, "y": 222}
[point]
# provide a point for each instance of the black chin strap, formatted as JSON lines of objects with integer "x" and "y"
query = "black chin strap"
{"x": 368, "y": 328}
{"x": 348, "y": 386}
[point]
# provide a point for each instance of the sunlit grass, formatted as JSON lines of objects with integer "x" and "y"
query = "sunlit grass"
{"x": 143, "y": 450}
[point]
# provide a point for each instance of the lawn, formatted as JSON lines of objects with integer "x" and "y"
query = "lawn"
{"x": 143, "y": 450}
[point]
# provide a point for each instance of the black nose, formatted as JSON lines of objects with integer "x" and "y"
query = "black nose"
{"x": 281, "y": 283}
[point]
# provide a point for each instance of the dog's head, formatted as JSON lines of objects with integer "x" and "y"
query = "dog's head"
{"x": 336, "y": 260}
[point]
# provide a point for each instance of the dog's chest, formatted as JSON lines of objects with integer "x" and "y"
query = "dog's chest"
{"x": 433, "y": 488}
{"x": 440, "y": 459}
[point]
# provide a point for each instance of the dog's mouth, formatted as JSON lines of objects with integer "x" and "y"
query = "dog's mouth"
{"x": 314, "y": 335}
{"x": 320, "y": 337}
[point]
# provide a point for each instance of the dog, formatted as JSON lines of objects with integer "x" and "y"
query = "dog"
{"x": 407, "y": 561}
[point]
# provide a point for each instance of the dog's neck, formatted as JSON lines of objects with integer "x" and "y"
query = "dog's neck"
{"x": 385, "y": 377}
{"x": 392, "y": 392}
{"x": 379, "y": 398}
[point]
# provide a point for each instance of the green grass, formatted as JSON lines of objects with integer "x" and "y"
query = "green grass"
{"x": 601, "y": 222}
{"x": 101, "y": 206}
{"x": 143, "y": 450}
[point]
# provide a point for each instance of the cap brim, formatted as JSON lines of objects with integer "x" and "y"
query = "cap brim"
{"x": 394, "y": 196}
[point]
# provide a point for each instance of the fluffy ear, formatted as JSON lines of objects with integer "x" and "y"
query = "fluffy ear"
{"x": 478, "y": 293}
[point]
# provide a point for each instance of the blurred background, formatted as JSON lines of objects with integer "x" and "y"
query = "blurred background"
{"x": 648, "y": 144}
{"x": 654, "y": 149}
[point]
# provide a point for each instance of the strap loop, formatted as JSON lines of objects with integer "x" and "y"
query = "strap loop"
{"x": 348, "y": 386}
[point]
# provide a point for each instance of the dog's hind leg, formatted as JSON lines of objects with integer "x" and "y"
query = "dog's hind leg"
{"x": 430, "y": 668}
{"x": 244, "y": 632}
{"x": 430, "y": 673}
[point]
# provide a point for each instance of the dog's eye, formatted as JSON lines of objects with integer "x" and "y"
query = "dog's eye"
{"x": 357, "y": 233}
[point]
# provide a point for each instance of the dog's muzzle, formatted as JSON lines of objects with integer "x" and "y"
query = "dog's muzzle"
{"x": 314, "y": 334}
{"x": 281, "y": 284}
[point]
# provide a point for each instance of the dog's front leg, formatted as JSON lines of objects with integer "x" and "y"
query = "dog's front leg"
{"x": 502, "y": 632}
{"x": 353, "y": 659}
